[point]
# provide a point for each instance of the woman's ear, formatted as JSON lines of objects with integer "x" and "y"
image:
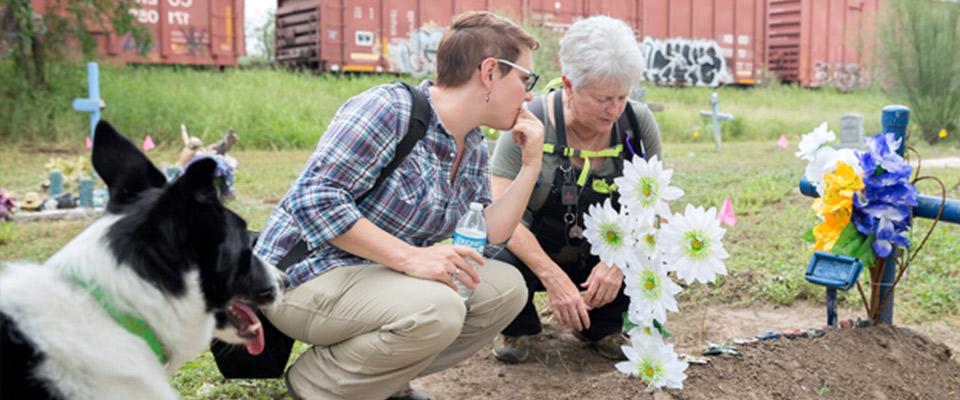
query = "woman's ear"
{"x": 487, "y": 70}
{"x": 567, "y": 86}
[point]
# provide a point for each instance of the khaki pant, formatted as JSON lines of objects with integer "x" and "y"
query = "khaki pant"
{"x": 375, "y": 329}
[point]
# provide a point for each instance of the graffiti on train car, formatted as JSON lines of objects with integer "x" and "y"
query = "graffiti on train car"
{"x": 843, "y": 76}
{"x": 191, "y": 41}
{"x": 417, "y": 54}
{"x": 688, "y": 62}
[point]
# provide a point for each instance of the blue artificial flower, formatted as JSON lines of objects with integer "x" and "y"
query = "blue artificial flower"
{"x": 884, "y": 206}
{"x": 224, "y": 174}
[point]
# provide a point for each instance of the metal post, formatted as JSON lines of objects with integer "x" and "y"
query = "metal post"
{"x": 894, "y": 120}
{"x": 832, "y": 307}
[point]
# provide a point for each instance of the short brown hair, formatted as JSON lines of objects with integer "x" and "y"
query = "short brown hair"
{"x": 474, "y": 36}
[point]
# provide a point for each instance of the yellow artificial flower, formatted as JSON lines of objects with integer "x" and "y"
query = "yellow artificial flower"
{"x": 836, "y": 205}
{"x": 943, "y": 133}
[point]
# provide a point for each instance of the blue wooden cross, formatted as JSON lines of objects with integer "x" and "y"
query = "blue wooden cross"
{"x": 894, "y": 120}
{"x": 94, "y": 103}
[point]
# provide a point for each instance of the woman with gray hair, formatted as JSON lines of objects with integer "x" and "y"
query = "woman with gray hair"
{"x": 591, "y": 127}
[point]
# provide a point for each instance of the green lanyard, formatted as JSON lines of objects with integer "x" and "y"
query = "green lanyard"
{"x": 586, "y": 155}
{"x": 131, "y": 323}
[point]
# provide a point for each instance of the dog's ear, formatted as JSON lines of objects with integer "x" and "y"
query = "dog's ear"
{"x": 197, "y": 181}
{"x": 122, "y": 166}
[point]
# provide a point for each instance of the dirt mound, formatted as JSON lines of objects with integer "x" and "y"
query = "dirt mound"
{"x": 879, "y": 362}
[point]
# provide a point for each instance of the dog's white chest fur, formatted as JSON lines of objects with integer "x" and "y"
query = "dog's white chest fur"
{"x": 88, "y": 355}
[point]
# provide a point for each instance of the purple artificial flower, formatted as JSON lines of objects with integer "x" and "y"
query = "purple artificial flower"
{"x": 6, "y": 206}
{"x": 884, "y": 206}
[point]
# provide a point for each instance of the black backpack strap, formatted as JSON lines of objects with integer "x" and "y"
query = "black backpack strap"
{"x": 419, "y": 120}
{"x": 420, "y": 116}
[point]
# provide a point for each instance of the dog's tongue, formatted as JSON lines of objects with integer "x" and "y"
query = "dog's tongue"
{"x": 254, "y": 345}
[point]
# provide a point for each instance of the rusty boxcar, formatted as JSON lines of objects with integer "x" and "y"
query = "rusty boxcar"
{"x": 822, "y": 42}
{"x": 191, "y": 32}
{"x": 690, "y": 42}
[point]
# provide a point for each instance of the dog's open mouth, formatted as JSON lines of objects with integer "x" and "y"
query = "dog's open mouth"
{"x": 242, "y": 317}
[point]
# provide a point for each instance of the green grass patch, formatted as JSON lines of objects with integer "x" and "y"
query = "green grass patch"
{"x": 277, "y": 109}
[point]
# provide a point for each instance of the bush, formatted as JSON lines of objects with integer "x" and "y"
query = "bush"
{"x": 921, "y": 57}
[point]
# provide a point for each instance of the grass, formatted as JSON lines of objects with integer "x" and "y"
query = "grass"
{"x": 281, "y": 109}
{"x": 767, "y": 260}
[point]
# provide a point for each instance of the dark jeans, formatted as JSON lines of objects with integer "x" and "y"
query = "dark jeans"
{"x": 604, "y": 320}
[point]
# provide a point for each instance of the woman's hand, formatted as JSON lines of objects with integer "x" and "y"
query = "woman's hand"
{"x": 528, "y": 134}
{"x": 602, "y": 285}
{"x": 443, "y": 263}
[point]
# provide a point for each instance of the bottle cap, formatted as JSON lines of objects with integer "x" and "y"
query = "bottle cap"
{"x": 476, "y": 206}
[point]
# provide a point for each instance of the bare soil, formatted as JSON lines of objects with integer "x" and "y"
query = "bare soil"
{"x": 880, "y": 362}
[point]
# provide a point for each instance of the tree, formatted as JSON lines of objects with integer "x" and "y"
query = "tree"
{"x": 37, "y": 37}
{"x": 266, "y": 33}
{"x": 920, "y": 54}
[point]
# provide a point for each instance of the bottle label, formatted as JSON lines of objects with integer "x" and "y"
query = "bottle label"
{"x": 476, "y": 243}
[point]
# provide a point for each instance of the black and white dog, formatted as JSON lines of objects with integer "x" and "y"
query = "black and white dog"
{"x": 139, "y": 292}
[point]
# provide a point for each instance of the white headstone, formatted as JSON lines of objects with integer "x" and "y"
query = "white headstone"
{"x": 851, "y": 131}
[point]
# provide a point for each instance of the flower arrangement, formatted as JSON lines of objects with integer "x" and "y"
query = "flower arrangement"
{"x": 648, "y": 243}
{"x": 866, "y": 196}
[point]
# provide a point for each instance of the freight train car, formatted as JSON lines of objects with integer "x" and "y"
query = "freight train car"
{"x": 190, "y": 32}
{"x": 822, "y": 42}
{"x": 687, "y": 42}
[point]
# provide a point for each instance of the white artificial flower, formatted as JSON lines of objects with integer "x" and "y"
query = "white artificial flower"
{"x": 814, "y": 171}
{"x": 692, "y": 245}
{"x": 826, "y": 160}
{"x": 658, "y": 365}
{"x": 847, "y": 156}
{"x": 652, "y": 293}
{"x": 811, "y": 142}
{"x": 610, "y": 235}
{"x": 647, "y": 235}
{"x": 646, "y": 333}
{"x": 645, "y": 188}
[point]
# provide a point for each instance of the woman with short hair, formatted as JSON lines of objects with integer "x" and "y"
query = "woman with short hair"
{"x": 375, "y": 295}
{"x": 591, "y": 127}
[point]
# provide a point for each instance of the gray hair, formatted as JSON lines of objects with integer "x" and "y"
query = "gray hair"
{"x": 601, "y": 49}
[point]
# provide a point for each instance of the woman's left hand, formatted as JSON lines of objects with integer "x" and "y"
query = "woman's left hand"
{"x": 528, "y": 134}
{"x": 602, "y": 285}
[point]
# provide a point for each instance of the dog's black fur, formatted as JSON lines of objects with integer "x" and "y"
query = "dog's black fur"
{"x": 164, "y": 232}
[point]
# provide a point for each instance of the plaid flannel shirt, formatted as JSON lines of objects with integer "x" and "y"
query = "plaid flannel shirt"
{"x": 417, "y": 203}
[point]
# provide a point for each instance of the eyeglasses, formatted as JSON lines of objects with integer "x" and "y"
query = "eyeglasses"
{"x": 529, "y": 81}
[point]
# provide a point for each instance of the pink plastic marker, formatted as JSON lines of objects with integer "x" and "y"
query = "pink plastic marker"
{"x": 726, "y": 214}
{"x": 148, "y": 144}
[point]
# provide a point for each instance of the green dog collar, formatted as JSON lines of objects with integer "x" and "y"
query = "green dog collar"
{"x": 132, "y": 323}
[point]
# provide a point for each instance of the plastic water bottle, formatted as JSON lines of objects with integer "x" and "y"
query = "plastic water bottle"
{"x": 472, "y": 232}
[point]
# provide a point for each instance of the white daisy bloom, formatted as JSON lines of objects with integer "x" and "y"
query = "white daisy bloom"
{"x": 610, "y": 234}
{"x": 647, "y": 235}
{"x": 645, "y": 188}
{"x": 651, "y": 293}
{"x": 692, "y": 245}
{"x": 811, "y": 142}
{"x": 647, "y": 334}
{"x": 659, "y": 366}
